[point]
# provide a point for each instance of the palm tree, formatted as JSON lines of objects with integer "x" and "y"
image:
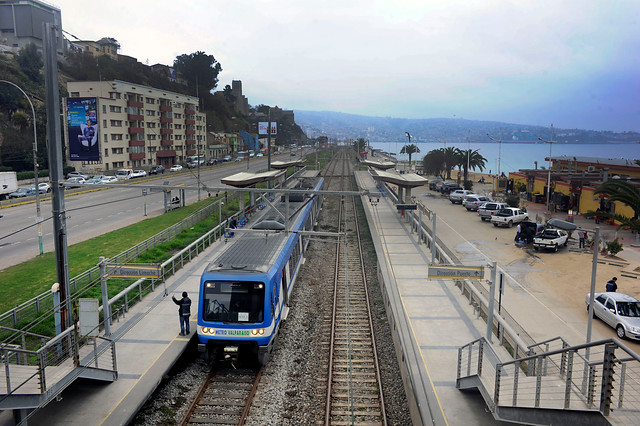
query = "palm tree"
{"x": 472, "y": 159}
{"x": 433, "y": 163}
{"x": 451, "y": 157}
{"x": 409, "y": 149}
{"x": 626, "y": 193}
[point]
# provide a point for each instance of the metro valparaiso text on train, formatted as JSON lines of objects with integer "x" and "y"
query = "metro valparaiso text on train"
{"x": 245, "y": 289}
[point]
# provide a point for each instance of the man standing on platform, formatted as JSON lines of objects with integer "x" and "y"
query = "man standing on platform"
{"x": 184, "y": 311}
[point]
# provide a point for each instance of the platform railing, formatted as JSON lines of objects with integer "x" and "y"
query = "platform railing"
{"x": 555, "y": 379}
{"x": 44, "y": 302}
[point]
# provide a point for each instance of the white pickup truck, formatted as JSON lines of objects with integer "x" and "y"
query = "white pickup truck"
{"x": 508, "y": 216}
{"x": 550, "y": 239}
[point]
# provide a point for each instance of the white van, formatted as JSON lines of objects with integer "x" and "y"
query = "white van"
{"x": 124, "y": 174}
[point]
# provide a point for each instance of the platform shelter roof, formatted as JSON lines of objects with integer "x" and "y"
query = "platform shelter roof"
{"x": 405, "y": 180}
{"x": 382, "y": 165}
{"x": 244, "y": 179}
{"x": 286, "y": 164}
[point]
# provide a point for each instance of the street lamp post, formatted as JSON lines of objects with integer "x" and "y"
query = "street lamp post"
{"x": 550, "y": 142}
{"x": 408, "y": 136}
{"x": 35, "y": 164}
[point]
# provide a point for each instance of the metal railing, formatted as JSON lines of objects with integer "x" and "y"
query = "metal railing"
{"x": 44, "y": 302}
{"x": 600, "y": 376}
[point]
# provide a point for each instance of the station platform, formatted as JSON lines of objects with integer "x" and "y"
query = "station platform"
{"x": 148, "y": 345}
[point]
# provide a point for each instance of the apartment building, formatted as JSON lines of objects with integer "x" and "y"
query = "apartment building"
{"x": 132, "y": 126}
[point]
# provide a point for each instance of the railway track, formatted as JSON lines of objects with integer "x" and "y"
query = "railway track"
{"x": 354, "y": 390}
{"x": 225, "y": 397}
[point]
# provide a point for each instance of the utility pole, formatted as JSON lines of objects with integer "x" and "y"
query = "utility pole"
{"x": 408, "y": 136}
{"x": 499, "y": 153}
{"x": 197, "y": 141}
{"x": 550, "y": 142}
{"x": 55, "y": 170}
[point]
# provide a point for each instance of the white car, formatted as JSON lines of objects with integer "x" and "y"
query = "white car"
{"x": 43, "y": 187}
{"x": 74, "y": 180}
{"x": 138, "y": 174}
{"x": 509, "y": 216}
{"x": 550, "y": 239}
{"x": 110, "y": 179}
{"x": 618, "y": 310}
{"x": 175, "y": 168}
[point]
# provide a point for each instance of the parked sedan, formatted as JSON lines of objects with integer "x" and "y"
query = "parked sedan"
{"x": 43, "y": 187}
{"x": 77, "y": 174}
{"x": 620, "y": 311}
{"x": 472, "y": 202}
{"x": 110, "y": 179}
{"x": 94, "y": 180}
{"x": 508, "y": 216}
{"x": 156, "y": 170}
{"x": 449, "y": 187}
{"x": 138, "y": 174}
{"x": 433, "y": 185}
{"x": 175, "y": 168}
{"x": 550, "y": 239}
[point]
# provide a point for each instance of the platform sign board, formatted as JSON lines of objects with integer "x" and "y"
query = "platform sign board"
{"x": 133, "y": 270}
{"x": 406, "y": 207}
{"x": 455, "y": 271}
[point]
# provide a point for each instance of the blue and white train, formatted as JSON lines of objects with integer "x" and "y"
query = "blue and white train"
{"x": 245, "y": 290}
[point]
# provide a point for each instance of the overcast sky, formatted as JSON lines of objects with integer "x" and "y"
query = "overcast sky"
{"x": 562, "y": 62}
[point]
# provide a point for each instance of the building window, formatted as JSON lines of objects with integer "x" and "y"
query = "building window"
{"x": 151, "y": 113}
{"x": 104, "y": 123}
{"x": 105, "y": 137}
{"x": 115, "y": 108}
{"x": 151, "y": 125}
{"x": 75, "y": 94}
{"x": 117, "y": 150}
{"x": 151, "y": 137}
{"x": 116, "y": 123}
{"x": 136, "y": 149}
{"x": 104, "y": 108}
{"x": 178, "y": 126}
{"x": 116, "y": 136}
{"x": 150, "y": 100}
{"x": 106, "y": 152}
{"x": 178, "y": 137}
{"x": 114, "y": 95}
{"x": 177, "y": 115}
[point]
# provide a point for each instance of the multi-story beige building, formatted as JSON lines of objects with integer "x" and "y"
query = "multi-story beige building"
{"x": 140, "y": 126}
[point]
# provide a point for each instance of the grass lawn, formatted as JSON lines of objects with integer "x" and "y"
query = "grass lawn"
{"x": 24, "y": 281}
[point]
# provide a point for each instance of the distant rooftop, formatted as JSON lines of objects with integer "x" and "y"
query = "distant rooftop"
{"x": 596, "y": 160}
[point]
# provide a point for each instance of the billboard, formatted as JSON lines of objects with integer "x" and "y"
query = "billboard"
{"x": 262, "y": 127}
{"x": 82, "y": 128}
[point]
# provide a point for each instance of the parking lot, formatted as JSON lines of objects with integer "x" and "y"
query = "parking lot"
{"x": 549, "y": 288}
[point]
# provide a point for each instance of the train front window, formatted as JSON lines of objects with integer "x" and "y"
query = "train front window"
{"x": 228, "y": 301}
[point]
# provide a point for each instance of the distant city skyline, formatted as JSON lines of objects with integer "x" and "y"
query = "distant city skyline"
{"x": 574, "y": 64}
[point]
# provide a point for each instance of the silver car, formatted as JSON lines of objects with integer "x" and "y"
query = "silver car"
{"x": 473, "y": 201}
{"x": 620, "y": 311}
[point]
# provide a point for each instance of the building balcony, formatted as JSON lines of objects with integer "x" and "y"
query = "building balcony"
{"x": 135, "y": 117}
{"x": 135, "y": 104}
{"x": 189, "y": 121}
{"x": 189, "y": 111}
{"x": 166, "y": 120}
{"x": 166, "y": 108}
{"x": 133, "y": 130}
{"x": 190, "y": 141}
{"x": 191, "y": 152}
{"x": 166, "y": 142}
{"x": 190, "y": 132}
{"x": 136, "y": 156}
{"x": 166, "y": 153}
{"x": 166, "y": 131}
{"x": 136, "y": 143}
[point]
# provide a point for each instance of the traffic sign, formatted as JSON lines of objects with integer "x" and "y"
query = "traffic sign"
{"x": 455, "y": 271}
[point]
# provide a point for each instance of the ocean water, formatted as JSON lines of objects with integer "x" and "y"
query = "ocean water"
{"x": 511, "y": 157}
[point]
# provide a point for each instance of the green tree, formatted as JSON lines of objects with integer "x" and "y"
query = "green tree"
{"x": 198, "y": 67}
{"x": 626, "y": 193}
{"x": 475, "y": 161}
{"x": 228, "y": 94}
{"x": 434, "y": 163}
{"x": 30, "y": 61}
{"x": 410, "y": 149}
{"x": 359, "y": 144}
{"x": 451, "y": 159}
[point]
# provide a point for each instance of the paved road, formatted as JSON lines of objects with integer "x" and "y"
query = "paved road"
{"x": 551, "y": 285}
{"x": 93, "y": 213}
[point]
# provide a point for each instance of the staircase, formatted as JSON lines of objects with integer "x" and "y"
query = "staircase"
{"x": 590, "y": 384}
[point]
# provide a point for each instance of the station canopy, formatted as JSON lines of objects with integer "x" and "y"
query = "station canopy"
{"x": 404, "y": 180}
{"x": 286, "y": 164}
{"x": 244, "y": 179}
{"x": 382, "y": 165}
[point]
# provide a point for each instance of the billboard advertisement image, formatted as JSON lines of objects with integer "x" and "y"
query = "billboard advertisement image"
{"x": 263, "y": 125}
{"x": 82, "y": 128}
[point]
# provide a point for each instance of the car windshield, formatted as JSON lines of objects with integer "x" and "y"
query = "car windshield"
{"x": 629, "y": 309}
{"x": 228, "y": 301}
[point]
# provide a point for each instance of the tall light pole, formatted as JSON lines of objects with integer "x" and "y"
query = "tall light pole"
{"x": 499, "y": 153}
{"x": 35, "y": 164}
{"x": 550, "y": 142}
{"x": 408, "y": 136}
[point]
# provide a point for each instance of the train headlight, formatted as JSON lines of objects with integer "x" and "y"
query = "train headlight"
{"x": 261, "y": 331}
{"x": 257, "y": 331}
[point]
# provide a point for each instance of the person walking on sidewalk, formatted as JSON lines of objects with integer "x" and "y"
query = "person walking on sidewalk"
{"x": 612, "y": 285}
{"x": 184, "y": 311}
{"x": 583, "y": 239}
